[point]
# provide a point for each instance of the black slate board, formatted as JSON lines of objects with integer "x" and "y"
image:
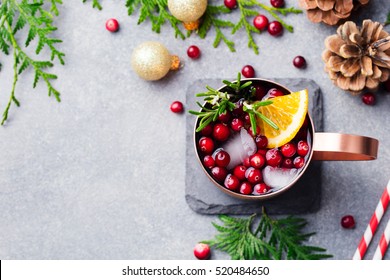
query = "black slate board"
{"x": 204, "y": 197}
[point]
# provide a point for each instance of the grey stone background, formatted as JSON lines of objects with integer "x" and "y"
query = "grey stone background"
{"x": 102, "y": 174}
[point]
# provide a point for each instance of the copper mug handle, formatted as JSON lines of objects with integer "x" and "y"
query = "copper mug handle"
{"x": 345, "y": 147}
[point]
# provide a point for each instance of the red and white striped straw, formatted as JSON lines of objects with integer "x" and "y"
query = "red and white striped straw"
{"x": 373, "y": 225}
{"x": 383, "y": 243}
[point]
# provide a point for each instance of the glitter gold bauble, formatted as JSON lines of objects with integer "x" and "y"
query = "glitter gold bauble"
{"x": 152, "y": 61}
{"x": 188, "y": 11}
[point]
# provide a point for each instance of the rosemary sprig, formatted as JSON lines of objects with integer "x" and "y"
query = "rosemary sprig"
{"x": 272, "y": 239}
{"x": 15, "y": 16}
{"x": 219, "y": 102}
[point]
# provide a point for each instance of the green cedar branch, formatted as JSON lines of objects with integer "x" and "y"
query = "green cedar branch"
{"x": 271, "y": 239}
{"x": 17, "y": 15}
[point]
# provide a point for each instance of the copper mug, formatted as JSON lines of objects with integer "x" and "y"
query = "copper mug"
{"x": 325, "y": 146}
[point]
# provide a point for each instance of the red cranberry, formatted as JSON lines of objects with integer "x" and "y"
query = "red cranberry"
{"x": 273, "y": 157}
{"x": 262, "y": 152}
{"x": 348, "y": 221}
{"x": 206, "y": 145}
{"x": 274, "y": 92}
{"x": 193, "y": 52}
{"x": 275, "y": 28}
{"x": 260, "y": 92}
{"x": 202, "y": 251}
{"x": 299, "y": 61}
{"x": 277, "y": 3}
{"x": 302, "y": 148}
{"x": 246, "y": 188}
{"x": 248, "y": 71}
{"x": 230, "y": 4}
{"x": 287, "y": 163}
{"x": 239, "y": 172}
{"x": 261, "y": 141}
{"x": 387, "y": 85}
{"x": 207, "y": 130}
{"x": 260, "y": 189}
{"x": 288, "y": 150}
{"x": 247, "y": 119}
{"x": 219, "y": 173}
{"x": 112, "y": 25}
{"x": 236, "y": 124}
{"x": 177, "y": 107}
{"x": 247, "y": 162}
{"x": 221, "y": 132}
{"x": 231, "y": 182}
{"x": 250, "y": 131}
{"x": 260, "y": 22}
{"x": 225, "y": 116}
{"x": 368, "y": 98}
{"x": 208, "y": 161}
{"x": 238, "y": 110}
{"x": 257, "y": 161}
{"x": 299, "y": 162}
{"x": 222, "y": 158}
{"x": 253, "y": 175}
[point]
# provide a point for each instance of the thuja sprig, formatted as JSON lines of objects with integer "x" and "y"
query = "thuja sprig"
{"x": 95, "y": 4}
{"x": 15, "y": 16}
{"x": 387, "y": 19}
{"x": 261, "y": 237}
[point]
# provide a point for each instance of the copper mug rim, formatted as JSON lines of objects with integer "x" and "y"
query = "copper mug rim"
{"x": 326, "y": 146}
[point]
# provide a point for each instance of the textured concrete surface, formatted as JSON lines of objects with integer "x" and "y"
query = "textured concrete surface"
{"x": 102, "y": 174}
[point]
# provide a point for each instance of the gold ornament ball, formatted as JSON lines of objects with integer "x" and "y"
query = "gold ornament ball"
{"x": 187, "y": 10}
{"x": 151, "y": 61}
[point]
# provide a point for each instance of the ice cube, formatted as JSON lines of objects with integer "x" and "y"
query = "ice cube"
{"x": 277, "y": 177}
{"x": 239, "y": 147}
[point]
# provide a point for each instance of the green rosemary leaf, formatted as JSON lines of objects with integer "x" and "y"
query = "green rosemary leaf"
{"x": 267, "y": 120}
{"x": 387, "y": 19}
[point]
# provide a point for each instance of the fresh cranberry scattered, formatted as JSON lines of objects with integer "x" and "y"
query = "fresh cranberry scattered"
{"x": 206, "y": 145}
{"x": 273, "y": 157}
{"x": 222, "y": 158}
{"x": 287, "y": 163}
{"x": 246, "y": 188}
{"x": 302, "y": 148}
{"x": 112, "y": 25}
{"x": 207, "y": 130}
{"x": 247, "y": 162}
{"x": 193, "y": 52}
{"x": 260, "y": 22}
{"x": 248, "y": 71}
{"x": 236, "y": 124}
{"x": 262, "y": 152}
{"x": 239, "y": 172}
{"x": 299, "y": 62}
{"x": 221, "y": 132}
{"x": 253, "y": 175}
{"x": 257, "y": 161}
{"x": 288, "y": 150}
{"x": 260, "y": 189}
{"x": 277, "y": 3}
{"x": 202, "y": 251}
{"x": 261, "y": 141}
{"x": 231, "y": 182}
{"x": 225, "y": 116}
{"x": 368, "y": 98}
{"x": 275, "y": 28}
{"x": 247, "y": 119}
{"x": 177, "y": 107}
{"x": 260, "y": 92}
{"x": 219, "y": 173}
{"x": 299, "y": 162}
{"x": 348, "y": 222}
{"x": 230, "y": 4}
{"x": 209, "y": 161}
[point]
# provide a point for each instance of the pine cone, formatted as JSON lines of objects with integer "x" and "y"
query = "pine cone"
{"x": 330, "y": 11}
{"x": 355, "y": 58}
